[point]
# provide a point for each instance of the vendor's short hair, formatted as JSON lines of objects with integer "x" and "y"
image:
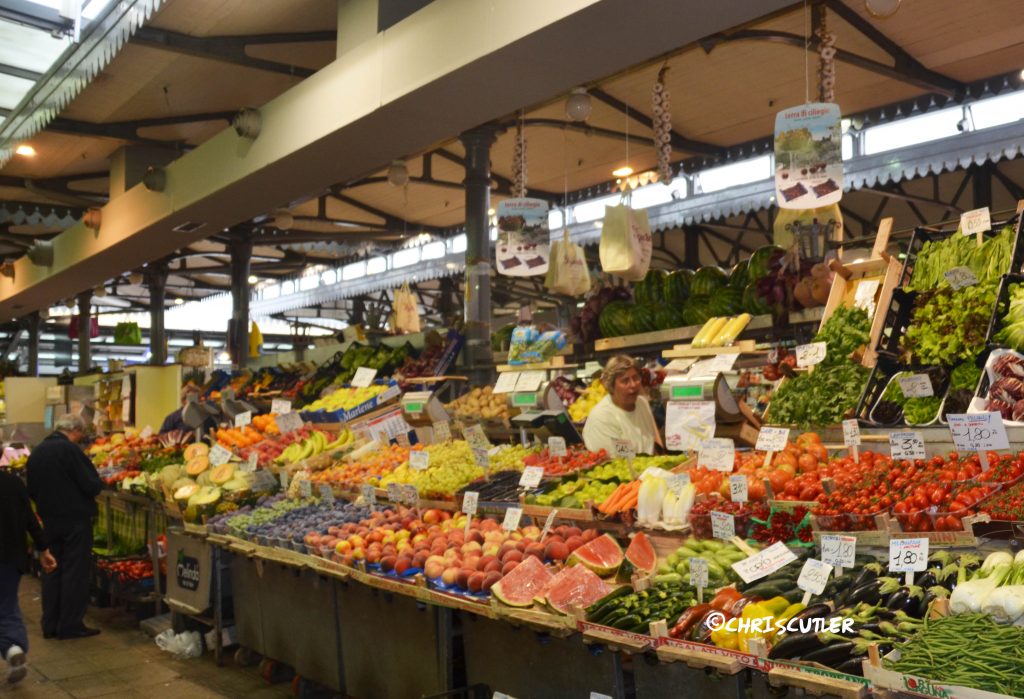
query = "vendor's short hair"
{"x": 189, "y": 389}
{"x": 616, "y": 367}
{"x": 70, "y": 423}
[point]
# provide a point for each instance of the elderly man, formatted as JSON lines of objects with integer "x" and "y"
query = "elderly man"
{"x": 64, "y": 485}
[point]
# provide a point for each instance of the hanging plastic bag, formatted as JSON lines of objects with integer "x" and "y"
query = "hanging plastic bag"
{"x": 127, "y": 334}
{"x": 625, "y": 242}
{"x": 568, "y": 273}
{"x": 407, "y": 313}
{"x": 94, "y": 327}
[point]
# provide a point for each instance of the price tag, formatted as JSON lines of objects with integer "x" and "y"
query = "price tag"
{"x": 688, "y": 424}
{"x": 475, "y": 436}
{"x": 529, "y": 381}
{"x": 243, "y": 419}
{"x": 442, "y": 431}
{"x": 677, "y": 481}
{"x": 738, "y": 487}
{"x": 326, "y": 494}
{"x": 556, "y": 446}
{"x": 908, "y": 555}
{"x": 419, "y": 460}
{"x": 906, "y": 445}
{"x": 512, "y": 517}
{"x": 369, "y": 495}
{"x": 482, "y": 459}
{"x": 916, "y": 386}
{"x": 280, "y": 406}
{"x": 814, "y": 576}
{"x": 864, "y": 296}
{"x": 305, "y": 488}
{"x": 288, "y": 422}
{"x": 723, "y": 525}
{"x": 851, "y": 433}
{"x": 548, "y": 522}
{"x": 811, "y": 354}
{"x": 698, "y": 572}
{"x": 250, "y": 464}
{"x": 506, "y": 382}
{"x": 219, "y": 455}
{"x": 978, "y": 432}
{"x": 411, "y": 496}
{"x": 959, "y": 277}
{"x": 283, "y": 479}
{"x": 975, "y": 221}
{"x": 364, "y": 376}
{"x": 711, "y": 367}
{"x": 772, "y": 438}
{"x": 469, "y": 502}
{"x": 717, "y": 454}
{"x": 838, "y": 550}
{"x": 263, "y": 482}
{"x": 531, "y": 477}
{"x": 146, "y": 433}
{"x": 395, "y": 492}
{"x": 764, "y": 562}
{"x": 624, "y": 449}
{"x": 678, "y": 366}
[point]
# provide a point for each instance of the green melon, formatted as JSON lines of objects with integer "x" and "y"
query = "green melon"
{"x": 726, "y": 302}
{"x": 738, "y": 277}
{"x": 678, "y": 285}
{"x": 707, "y": 280}
{"x": 763, "y": 261}
{"x": 752, "y": 303}
{"x": 697, "y": 311}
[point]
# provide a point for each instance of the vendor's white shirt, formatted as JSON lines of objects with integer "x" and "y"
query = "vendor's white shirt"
{"x": 608, "y": 422}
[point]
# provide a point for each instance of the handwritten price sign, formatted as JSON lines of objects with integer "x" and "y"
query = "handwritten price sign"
{"x": 811, "y": 354}
{"x": 469, "y": 502}
{"x": 738, "y": 487}
{"x": 512, "y": 517}
{"x": 978, "y": 432}
{"x": 959, "y": 277}
{"x": 419, "y": 460}
{"x": 908, "y": 555}
{"x": 814, "y": 576}
{"x": 772, "y": 438}
{"x": 838, "y": 550}
{"x": 916, "y": 386}
{"x": 723, "y": 525}
{"x": 531, "y": 476}
{"x": 698, "y": 572}
{"x": 906, "y": 445}
{"x": 851, "y": 433}
{"x": 717, "y": 454}
{"x": 764, "y": 562}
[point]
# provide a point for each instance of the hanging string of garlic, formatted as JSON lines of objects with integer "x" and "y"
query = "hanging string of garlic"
{"x": 519, "y": 161}
{"x": 827, "y": 64}
{"x": 662, "y": 126}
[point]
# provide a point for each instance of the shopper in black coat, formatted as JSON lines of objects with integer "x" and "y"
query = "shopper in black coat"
{"x": 17, "y": 521}
{"x": 64, "y": 484}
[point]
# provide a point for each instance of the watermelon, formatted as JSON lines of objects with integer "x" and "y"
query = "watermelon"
{"x": 575, "y": 586}
{"x": 667, "y": 316}
{"x": 752, "y": 302}
{"x": 738, "y": 275}
{"x": 602, "y": 555}
{"x": 765, "y": 259}
{"x": 726, "y": 302}
{"x": 643, "y": 318}
{"x": 707, "y": 280}
{"x": 697, "y": 311}
{"x": 615, "y": 320}
{"x": 523, "y": 584}
{"x": 640, "y": 554}
{"x": 651, "y": 288}
{"x": 677, "y": 287}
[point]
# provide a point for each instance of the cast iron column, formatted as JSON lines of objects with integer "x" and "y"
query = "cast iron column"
{"x": 241, "y": 255}
{"x": 33, "y": 322}
{"x": 156, "y": 280}
{"x": 84, "y": 326}
{"x": 477, "y": 143}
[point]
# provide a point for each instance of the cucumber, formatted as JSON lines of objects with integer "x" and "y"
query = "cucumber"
{"x": 684, "y": 554}
{"x": 763, "y": 590}
{"x": 793, "y": 596}
{"x": 712, "y": 545}
{"x": 600, "y": 604}
{"x": 715, "y": 569}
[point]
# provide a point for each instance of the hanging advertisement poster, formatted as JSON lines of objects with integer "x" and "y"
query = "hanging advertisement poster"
{"x": 808, "y": 156}
{"x": 524, "y": 242}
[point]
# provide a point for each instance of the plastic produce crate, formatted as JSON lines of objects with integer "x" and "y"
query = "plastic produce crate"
{"x": 1002, "y": 305}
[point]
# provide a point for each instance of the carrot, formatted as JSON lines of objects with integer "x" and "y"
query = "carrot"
{"x": 610, "y": 502}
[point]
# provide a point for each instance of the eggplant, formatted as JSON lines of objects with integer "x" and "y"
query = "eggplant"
{"x": 836, "y": 652}
{"x": 851, "y": 666}
{"x": 927, "y": 579}
{"x": 898, "y": 599}
{"x": 814, "y": 611}
{"x": 796, "y": 644}
{"x": 867, "y": 592}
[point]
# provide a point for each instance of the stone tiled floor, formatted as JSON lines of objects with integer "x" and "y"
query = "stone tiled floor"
{"x": 122, "y": 662}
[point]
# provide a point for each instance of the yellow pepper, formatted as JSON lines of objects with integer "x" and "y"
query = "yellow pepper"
{"x": 724, "y": 638}
{"x": 754, "y": 611}
{"x": 790, "y": 612}
{"x": 776, "y": 605}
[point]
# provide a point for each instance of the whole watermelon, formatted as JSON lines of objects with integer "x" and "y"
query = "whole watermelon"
{"x": 765, "y": 259}
{"x": 752, "y": 302}
{"x": 615, "y": 319}
{"x": 738, "y": 275}
{"x": 677, "y": 286}
{"x": 644, "y": 319}
{"x": 726, "y": 302}
{"x": 707, "y": 280}
{"x": 697, "y": 311}
{"x": 667, "y": 316}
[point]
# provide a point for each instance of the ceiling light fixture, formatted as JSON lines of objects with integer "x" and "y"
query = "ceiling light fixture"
{"x": 283, "y": 219}
{"x": 135, "y": 278}
{"x": 882, "y": 8}
{"x": 248, "y": 123}
{"x": 398, "y": 173}
{"x": 253, "y": 279}
{"x": 178, "y": 301}
{"x": 578, "y": 105}
{"x": 25, "y": 150}
{"x": 624, "y": 171}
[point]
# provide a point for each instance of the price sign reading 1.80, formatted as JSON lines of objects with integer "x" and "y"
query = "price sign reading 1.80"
{"x": 978, "y": 432}
{"x": 838, "y": 550}
{"x": 908, "y": 555}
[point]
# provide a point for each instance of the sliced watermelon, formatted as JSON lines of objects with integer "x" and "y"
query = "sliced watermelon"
{"x": 525, "y": 582}
{"x": 576, "y": 585}
{"x": 603, "y": 555}
{"x": 641, "y": 555}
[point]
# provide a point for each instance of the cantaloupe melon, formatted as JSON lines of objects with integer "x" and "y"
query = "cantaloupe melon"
{"x": 204, "y": 478}
{"x": 170, "y": 473}
{"x": 181, "y": 482}
{"x": 196, "y": 449}
{"x": 197, "y": 464}
{"x": 182, "y": 494}
{"x": 222, "y": 474}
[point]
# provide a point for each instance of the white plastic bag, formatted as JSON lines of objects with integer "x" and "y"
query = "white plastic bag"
{"x": 407, "y": 312}
{"x": 568, "y": 273}
{"x": 188, "y": 644}
{"x": 626, "y": 242}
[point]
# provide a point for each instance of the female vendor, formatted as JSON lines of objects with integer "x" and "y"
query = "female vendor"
{"x": 623, "y": 414}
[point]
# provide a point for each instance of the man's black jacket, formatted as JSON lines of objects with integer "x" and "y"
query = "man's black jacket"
{"x": 62, "y": 480}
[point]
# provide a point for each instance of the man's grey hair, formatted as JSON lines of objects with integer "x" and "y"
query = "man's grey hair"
{"x": 70, "y": 423}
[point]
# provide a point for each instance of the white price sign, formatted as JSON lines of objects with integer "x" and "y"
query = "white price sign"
{"x": 688, "y": 424}
{"x": 711, "y": 367}
{"x": 624, "y": 449}
{"x": 548, "y": 522}
{"x": 219, "y": 455}
{"x": 288, "y": 422}
{"x": 698, "y": 572}
{"x": 305, "y": 488}
{"x": 442, "y": 431}
{"x": 738, "y": 487}
{"x": 978, "y": 432}
{"x": 814, "y": 576}
{"x": 243, "y": 419}
{"x": 410, "y": 495}
{"x": 677, "y": 481}
{"x": 838, "y": 550}
{"x": 717, "y": 454}
{"x": 529, "y": 381}
{"x": 369, "y": 495}
{"x": 975, "y": 221}
{"x": 959, "y": 277}
{"x": 482, "y": 458}
{"x": 395, "y": 492}
{"x": 811, "y": 354}
{"x": 908, "y": 555}
{"x": 506, "y": 382}
{"x": 475, "y": 436}
{"x": 146, "y": 433}
{"x": 364, "y": 376}
{"x": 723, "y": 525}
{"x": 512, "y": 517}
{"x": 283, "y": 478}
{"x": 907, "y": 445}
{"x": 531, "y": 477}
{"x": 249, "y": 465}
{"x": 326, "y": 494}
{"x": 419, "y": 460}
{"x": 556, "y": 446}
{"x": 764, "y": 562}
{"x": 469, "y": 502}
{"x": 851, "y": 433}
{"x": 916, "y": 386}
{"x": 772, "y": 438}
{"x": 864, "y": 296}
{"x": 280, "y": 406}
